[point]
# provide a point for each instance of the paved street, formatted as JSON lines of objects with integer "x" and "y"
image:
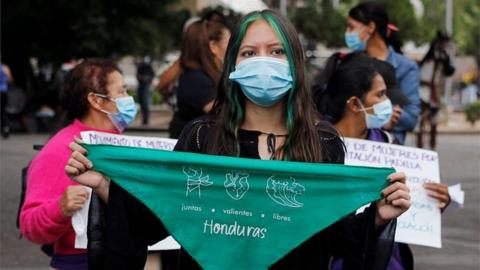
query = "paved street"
{"x": 460, "y": 163}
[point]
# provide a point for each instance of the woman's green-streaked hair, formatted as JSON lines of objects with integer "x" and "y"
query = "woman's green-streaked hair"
{"x": 300, "y": 113}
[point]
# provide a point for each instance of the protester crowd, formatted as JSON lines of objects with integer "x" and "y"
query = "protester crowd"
{"x": 241, "y": 91}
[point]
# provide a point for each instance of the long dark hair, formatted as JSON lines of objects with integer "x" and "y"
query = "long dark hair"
{"x": 367, "y": 12}
{"x": 195, "y": 50}
{"x": 351, "y": 76}
{"x": 302, "y": 142}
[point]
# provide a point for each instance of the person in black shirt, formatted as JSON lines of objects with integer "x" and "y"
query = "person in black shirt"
{"x": 203, "y": 49}
{"x": 145, "y": 75}
{"x": 263, "y": 110}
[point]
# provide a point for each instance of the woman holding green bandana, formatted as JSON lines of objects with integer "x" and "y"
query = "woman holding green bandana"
{"x": 264, "y": 110}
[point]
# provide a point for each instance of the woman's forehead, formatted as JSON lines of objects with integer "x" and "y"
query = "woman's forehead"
{"x": 378, "y": 83}
{"x": 353, "y": 22}
{"x": 115, "y": 77}
{"x": 116, "y": 81}
{"x": 260, "y": 32}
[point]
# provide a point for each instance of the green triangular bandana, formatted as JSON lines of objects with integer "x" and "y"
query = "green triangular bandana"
{"x": 236, "y": 213}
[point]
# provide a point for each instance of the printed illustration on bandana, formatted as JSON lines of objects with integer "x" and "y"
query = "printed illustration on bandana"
{"x": 285, "y": 191}
{"x": 236, "y": 184}
{"x": 195, "y": 180}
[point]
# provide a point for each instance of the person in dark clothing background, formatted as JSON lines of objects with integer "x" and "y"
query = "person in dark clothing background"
{"x": 203, "y": 49}
{"x": 145, "y": 75}
{"x": 6, "y": 80}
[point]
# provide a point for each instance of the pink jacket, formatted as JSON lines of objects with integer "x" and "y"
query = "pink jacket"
{"x": 41, "y": 220}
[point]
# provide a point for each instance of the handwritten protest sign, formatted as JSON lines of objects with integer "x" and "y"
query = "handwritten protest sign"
{"x": 421, "y": 224}
{"x": 94, "y": 137}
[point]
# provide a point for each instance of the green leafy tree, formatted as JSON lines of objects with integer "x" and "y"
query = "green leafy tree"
{"x": 231, "y": 16}
{"x": 53, "y": 31}
{"x": 319, "y": 21}
{"x": 466, "y": 29}
{"x": 402, "y": 15}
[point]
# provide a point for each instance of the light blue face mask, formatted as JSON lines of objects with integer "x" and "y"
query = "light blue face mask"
{"x": 263, "y": 80}
{"x": 383, "y": 112}
{"x": 127, "y": 110}
{"x": 353, "y": 41}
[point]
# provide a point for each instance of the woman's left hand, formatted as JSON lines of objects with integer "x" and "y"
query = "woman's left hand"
{"x": 396, "y": 200}
{"x": 440, "y": 192}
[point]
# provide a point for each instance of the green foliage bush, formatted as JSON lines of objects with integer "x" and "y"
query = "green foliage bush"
{"x": 472, "y": 112}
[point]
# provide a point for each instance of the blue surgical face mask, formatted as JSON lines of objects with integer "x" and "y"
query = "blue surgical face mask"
{"x": 353, "y": 41}
{"x": 263, "y": 80}
{"x": 127, "y": 110}
{"x": 383, "y": 112}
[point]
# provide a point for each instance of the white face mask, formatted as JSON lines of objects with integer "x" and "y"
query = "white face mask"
{"x": 263, "y": 80}
{"x": 354, "y": 42}
{"x": 127, "y": 111}
{"x": 383, "y": 112}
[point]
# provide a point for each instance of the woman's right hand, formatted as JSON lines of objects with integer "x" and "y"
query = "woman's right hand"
{"x": 73, "y": 199}
{"x": 397, "y": 112}
{"x": 79, "y": 167}
{"x": 396, "y": 199}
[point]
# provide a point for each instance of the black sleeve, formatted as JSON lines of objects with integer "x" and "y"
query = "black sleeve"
{"x": 355, "y": 239}
{"x": 131, "y": 228}
{"x": 198, "y": 89}
{"x": 351, "y": 239}
{"x": 96, "y": 232}
{"x": 331, "y": 145}
{"x": 194, "y": 135}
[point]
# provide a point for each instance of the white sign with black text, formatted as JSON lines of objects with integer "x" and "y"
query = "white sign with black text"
{"x": 421, "y": 224}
